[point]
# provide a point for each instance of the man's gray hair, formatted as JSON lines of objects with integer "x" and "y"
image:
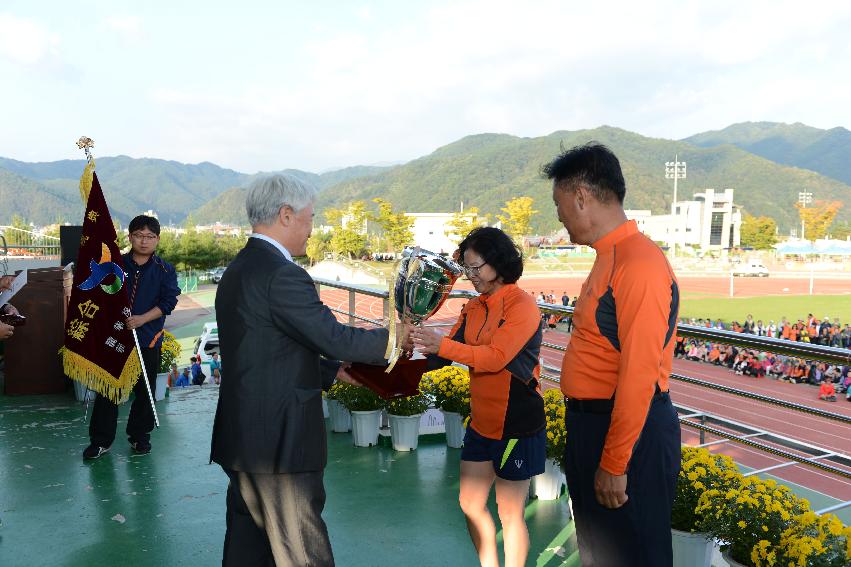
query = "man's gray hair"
{"x": 266, "y": 195}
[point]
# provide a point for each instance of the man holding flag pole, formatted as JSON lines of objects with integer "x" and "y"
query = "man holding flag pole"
{"x": 115, "y": 319}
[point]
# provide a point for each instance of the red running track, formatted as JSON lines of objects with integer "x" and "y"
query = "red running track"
{"x": 830, "y": 435}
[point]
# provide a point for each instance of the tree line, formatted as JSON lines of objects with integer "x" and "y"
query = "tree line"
{"x": 358, "y": 231}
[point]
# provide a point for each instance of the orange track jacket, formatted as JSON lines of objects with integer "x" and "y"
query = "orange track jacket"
{"x": 624, "y": 329}
{"x": 499, "y": 337}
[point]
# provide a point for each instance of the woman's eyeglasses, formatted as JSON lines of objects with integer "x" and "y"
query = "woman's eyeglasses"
{"x": 471, "y": 271}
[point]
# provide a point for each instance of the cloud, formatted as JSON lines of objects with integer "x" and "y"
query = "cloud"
{"x": 25, "y": 41}
{"x": 378, "y": 84}
{"x": 128, "y": 26}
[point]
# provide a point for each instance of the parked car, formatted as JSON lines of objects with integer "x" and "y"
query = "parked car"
{"x": 216, "y": 274}
{"x": 752, "y": 269}
{"x": 208, "y": 342}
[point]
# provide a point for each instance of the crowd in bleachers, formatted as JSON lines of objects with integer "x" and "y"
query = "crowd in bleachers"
{"x": 832, "y": 378}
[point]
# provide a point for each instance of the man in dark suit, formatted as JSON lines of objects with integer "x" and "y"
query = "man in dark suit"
{"x": 282, "y": 345}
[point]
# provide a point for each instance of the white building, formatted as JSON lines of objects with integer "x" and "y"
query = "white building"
{"x": 432, "y": 231}
{"x": 710, "y": 221}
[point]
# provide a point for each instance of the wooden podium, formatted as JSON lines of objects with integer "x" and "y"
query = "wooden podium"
{"x": 32, "y": 354}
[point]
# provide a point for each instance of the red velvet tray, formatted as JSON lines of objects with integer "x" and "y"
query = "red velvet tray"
{"x": 403, "y": 380}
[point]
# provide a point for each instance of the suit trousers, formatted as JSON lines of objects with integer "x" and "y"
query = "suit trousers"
{"x": 140, "y": 422}
{"x": 638, "y": 534}
{"x": 276, "y": 519}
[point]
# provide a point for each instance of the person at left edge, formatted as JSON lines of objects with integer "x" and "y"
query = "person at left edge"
{"x": 151, "y": 285}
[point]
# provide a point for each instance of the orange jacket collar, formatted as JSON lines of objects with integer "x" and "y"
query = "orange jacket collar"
{"x": 606, "y": 243}
{"x": 490, "y": 298}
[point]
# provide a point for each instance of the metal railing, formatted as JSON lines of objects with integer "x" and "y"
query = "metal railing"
{"x": 19, "y": 242}
{"x": 727, "y": 430}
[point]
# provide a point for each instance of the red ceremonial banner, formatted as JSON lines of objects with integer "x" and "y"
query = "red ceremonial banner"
{"x": 99, "y": 349}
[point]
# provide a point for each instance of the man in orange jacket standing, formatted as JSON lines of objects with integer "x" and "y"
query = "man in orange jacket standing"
{"x": 623, "y": 437}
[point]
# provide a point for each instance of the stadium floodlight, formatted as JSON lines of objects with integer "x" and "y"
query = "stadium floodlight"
{"x": 804, "y": 199}
{"x": 675, "y": 170}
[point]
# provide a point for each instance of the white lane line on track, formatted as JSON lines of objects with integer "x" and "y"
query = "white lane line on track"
{"x": 779, "y": 473}
{"x": 819, "y": 438}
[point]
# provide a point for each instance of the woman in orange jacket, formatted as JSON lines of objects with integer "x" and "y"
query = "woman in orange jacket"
{"x": 498, "y": 336}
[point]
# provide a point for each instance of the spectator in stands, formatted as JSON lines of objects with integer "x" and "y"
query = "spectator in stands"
{"x": 827, "y": 392}
{"x": 772, "y": 330}
{"x": 759, "y": 329}
{"x": 794, "y": 332}
{"x": 714, "y": 355}
{"x": 825, "y": 333}
{"x": 216, "y": 368}
{"x": 198, "y": 375}
{"x": 173, "y": 375}
{"x": 718, "y": 325}
{"x": 183, "y": 380}
{"x": 691, "y": 353}
{"x": 749, "y": 325}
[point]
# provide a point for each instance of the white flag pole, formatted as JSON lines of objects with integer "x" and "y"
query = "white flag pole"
{"x": 145, "y": 376}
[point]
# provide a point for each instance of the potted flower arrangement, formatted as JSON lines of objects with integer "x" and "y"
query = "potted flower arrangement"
{"x": 169, "y": 353}
{"x": 700, "y": 471}
{"x": 404, "y": 414}
{"x": 746, "y": 513}
{"x": 450, "y": 388}
{"x": 812, "y": 540}
{"x": 365, "y": 407}
{"x": 341, "y": 419}
{"x": 547, "y": 486}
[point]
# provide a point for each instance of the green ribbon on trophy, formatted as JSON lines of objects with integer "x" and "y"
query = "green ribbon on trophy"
{"x": 422, "y": 283}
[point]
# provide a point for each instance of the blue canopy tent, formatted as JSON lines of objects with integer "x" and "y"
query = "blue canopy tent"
{"x": 821, "y": 248}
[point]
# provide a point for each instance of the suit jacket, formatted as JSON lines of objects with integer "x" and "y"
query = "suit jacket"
{"x": 272, "y": 330}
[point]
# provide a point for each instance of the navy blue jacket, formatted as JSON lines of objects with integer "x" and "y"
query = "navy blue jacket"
{"x": 155, "y": 285}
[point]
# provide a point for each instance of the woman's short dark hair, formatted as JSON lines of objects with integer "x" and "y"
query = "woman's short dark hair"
{"x": 497, "y": 249}
{"x": 144, "y": 221}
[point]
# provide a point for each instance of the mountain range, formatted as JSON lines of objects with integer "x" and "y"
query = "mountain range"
{"x": 766, "y": 163}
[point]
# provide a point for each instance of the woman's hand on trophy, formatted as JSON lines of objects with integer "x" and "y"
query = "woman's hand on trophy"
{"x": 426, "y": 340}
{"x": 344, "y": 376}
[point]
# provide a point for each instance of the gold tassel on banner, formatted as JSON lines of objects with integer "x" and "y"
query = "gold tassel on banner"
{"x": 96, "y": 378}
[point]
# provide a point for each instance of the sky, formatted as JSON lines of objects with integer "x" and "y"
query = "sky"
{"x": 262, "y": 86}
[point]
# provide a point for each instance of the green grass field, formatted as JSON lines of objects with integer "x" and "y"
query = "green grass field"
{"x": 769, "y": 308}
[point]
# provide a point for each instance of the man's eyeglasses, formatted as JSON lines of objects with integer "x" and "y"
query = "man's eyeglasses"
{"x": 471, "y": 271}
{"x": 143, "y": 237}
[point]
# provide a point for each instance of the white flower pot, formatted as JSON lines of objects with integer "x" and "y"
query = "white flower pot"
{"x": 405, "y": 431}
{"x": 341, "y": 419}
{"x": 454, "y": 429}
{"x": 324, "y": 407}
{"x": 691, "y": 549}
{"x": 162, "y": 386}
{"x": 548, "y": 485}
{"x": 365, "y": 426}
